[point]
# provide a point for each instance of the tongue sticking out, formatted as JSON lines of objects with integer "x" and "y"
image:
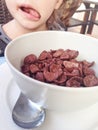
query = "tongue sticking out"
{"x": 31, "y": 12}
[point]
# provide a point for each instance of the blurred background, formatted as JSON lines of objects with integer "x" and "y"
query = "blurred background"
{"x": 93, "y": 15}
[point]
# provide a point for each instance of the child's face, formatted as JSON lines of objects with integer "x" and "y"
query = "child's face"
{"x": 32, "y": 14}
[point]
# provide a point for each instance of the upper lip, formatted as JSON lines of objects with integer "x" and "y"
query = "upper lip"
{"x": 26, "y": 6}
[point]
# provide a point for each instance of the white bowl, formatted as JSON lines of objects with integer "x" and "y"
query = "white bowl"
{"x": 69, "y": 98}
{"x": 49, "y": 96}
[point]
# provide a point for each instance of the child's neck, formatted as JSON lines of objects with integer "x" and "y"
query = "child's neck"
{"x": 13, "y": 29}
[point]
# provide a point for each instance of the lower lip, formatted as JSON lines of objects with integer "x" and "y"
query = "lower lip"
{"x": 29, "y": 16}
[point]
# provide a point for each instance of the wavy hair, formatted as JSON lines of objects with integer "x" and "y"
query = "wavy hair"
{"x": 63, "y": 14}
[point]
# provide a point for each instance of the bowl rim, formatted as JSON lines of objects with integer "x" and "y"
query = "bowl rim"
{"x": 55, "y": 87}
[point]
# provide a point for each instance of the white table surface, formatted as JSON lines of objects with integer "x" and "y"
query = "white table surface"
{"x": 2, "y": 60}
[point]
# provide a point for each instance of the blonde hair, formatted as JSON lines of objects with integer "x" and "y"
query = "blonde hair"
{"x": 64, "y": 13}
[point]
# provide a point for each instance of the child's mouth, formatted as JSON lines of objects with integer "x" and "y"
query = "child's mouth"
{"x": 31, "y": 12}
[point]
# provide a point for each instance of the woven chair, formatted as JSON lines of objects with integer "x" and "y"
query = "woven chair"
{"x": 5, "y": 16}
